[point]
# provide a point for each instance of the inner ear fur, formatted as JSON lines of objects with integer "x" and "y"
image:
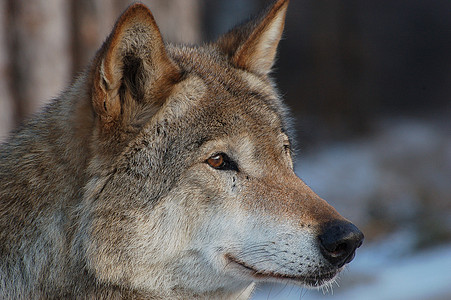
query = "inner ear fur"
{"x": 253, "y": 45}
{"x": 132, "y": 69}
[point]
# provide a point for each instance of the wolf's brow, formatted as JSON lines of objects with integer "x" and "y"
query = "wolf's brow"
{"x": 198, "y": 143}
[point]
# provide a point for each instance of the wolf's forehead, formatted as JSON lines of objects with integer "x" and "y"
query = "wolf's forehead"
{"x": 215, "y": 69}
{"x": 230, "y": 93}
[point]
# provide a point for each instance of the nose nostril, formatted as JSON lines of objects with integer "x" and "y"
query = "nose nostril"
{"x": 339, "y": 250}
{"x": 339, "y": 241}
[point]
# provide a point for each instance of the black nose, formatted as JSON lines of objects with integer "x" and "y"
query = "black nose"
{"x": 339, "y": 241}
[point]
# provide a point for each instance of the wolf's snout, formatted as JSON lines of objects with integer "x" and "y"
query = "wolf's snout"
{"x": 339, "y": 241}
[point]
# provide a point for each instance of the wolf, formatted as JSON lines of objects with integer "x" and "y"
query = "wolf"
{"x": 165, "y": 172}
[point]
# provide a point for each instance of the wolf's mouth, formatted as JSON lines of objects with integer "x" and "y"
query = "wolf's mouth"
{"x": 315, "y": 280}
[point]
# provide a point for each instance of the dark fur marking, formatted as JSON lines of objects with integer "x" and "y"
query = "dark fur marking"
{"x": 133, "y": 76}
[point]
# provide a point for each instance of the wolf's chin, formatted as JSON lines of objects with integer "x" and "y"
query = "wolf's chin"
{"x": 321, "y": 280}
{"x": 314, "y": 281}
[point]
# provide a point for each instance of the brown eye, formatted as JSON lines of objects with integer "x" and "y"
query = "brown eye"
{"x": 222, "y": 162}
{"x": 216, "y": 161}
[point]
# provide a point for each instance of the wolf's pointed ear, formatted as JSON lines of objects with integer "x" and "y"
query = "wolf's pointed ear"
{"x": 253, "y": 45}
{"x": 132, "y": 69}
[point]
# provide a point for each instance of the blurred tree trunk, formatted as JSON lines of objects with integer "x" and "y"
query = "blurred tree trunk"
{"x": 43, "y": 43}
{"x": 92, "y": 21}
{"x": 179, "y": 20}
{"x": 6, "y": 109}
{"x": 338, "y": 70}
{"x": 39, "y": 52}
{"x": 329, "y": 69}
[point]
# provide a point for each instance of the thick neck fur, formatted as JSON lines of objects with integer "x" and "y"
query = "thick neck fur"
{"x": 41, "y": 179}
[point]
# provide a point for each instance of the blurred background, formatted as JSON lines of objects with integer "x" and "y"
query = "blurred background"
{"x": 369, "y": 87}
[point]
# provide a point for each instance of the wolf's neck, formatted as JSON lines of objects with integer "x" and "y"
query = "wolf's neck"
{"x": 41, "y": 178}
{"x": 51, "y": 150}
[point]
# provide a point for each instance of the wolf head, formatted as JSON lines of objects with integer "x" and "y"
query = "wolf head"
{"x": 191, "y": 178}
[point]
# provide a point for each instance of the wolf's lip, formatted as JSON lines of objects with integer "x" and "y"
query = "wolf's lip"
{"x": 314, "y": 280}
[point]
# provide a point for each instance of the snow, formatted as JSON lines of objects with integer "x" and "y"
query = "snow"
{"x": 424, "y": 275}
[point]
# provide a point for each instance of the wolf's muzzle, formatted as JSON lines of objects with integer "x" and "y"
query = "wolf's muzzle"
{"x": 338, "y": 241}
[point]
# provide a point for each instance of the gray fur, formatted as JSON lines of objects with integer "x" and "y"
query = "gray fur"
{"x": 106, "y": 193}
